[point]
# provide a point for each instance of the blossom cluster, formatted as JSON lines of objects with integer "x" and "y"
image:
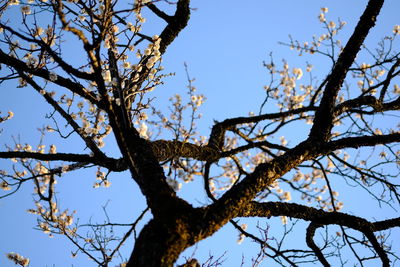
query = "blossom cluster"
{"x": 52, "y": 220}
{"x": 9, "y": 116}
{"x": 102, "y": 179}
{"x": 18, "y": 259}
{"x": 288, "y": 93}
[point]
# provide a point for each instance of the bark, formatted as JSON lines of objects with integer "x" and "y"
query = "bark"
{"x": 324, "y": 116}
{"x": 163, "y": 239}
{"x": 176, "y": 225}
{"x": 157, "y": 245}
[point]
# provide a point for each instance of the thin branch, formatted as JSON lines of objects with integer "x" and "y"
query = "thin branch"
{"x": 89, "y": 141}
{"x": 75, "y": 87}
{"x": 311, "y": 244}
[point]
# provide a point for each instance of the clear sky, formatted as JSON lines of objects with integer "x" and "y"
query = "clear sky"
{"x": 224, "y": 47}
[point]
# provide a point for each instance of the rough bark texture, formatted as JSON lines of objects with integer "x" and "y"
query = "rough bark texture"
{"x": 177, "y": 225}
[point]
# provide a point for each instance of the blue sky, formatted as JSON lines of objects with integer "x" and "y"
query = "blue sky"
{"x": 224, "y": 46}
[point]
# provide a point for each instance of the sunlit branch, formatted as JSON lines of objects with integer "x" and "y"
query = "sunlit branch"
{"x": 165, "y": 150}
{"x": 238, "y": 165}
{"x": 240, "y": 229}
{"x": 323, "y": 121}
{"x": 261, "y": 144}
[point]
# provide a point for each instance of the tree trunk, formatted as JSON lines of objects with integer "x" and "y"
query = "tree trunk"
{"x": 159, "y": 244}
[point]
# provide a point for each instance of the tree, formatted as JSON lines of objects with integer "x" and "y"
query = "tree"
{"x": 102, "y": 94}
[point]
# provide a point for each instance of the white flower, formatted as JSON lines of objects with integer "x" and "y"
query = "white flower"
{"x": 13, "y": 3}
{"x": 240, "y": 239}
{"x": 130, "y": 26}
{"x": 107, "y": 76}
{"x": 26, "y": 10}
{"x": 286, "y": 196}
{"x": 10, "y": 114}
{"x": 321, "y": 17}
{"x": 364, "y": 66}
{"x": 4, "y": 185}
{"x": 53, "y": 149}
{"x": 147, "y": 51}
{"x": 298, "y": 72}
{"x": 18, "y": 259}
{"x": 283, "y": 141}
{"x": 284, "y": 220}
{"x": 127, "y": 65}
{"x": 396, "y": 29}
{"x": 141, "y": 1}
{"x": 396, "y": 89}
{"x": 106, "y": 183}
{"x": 143, "y": 130}
{"x": 150, "y": 62}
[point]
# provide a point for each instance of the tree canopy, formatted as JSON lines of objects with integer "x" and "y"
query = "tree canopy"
{"x": 97, "y": 66}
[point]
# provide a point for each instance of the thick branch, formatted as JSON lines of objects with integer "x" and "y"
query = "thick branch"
{"x": 109, "y": 163}
{"x": 361, "y": 141}
{"x": 319, "y": 217}
{"x": 293, "y": 210}
{"x": 324, "y": 116}
{"x": 159, "y": 12}
{"x": 234, "y": 200}
{"x": 370, "y": 101}
{"x": 176, "y": 23}
{"x": 218, "y": 131}
{"x": 165, "y": 150}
